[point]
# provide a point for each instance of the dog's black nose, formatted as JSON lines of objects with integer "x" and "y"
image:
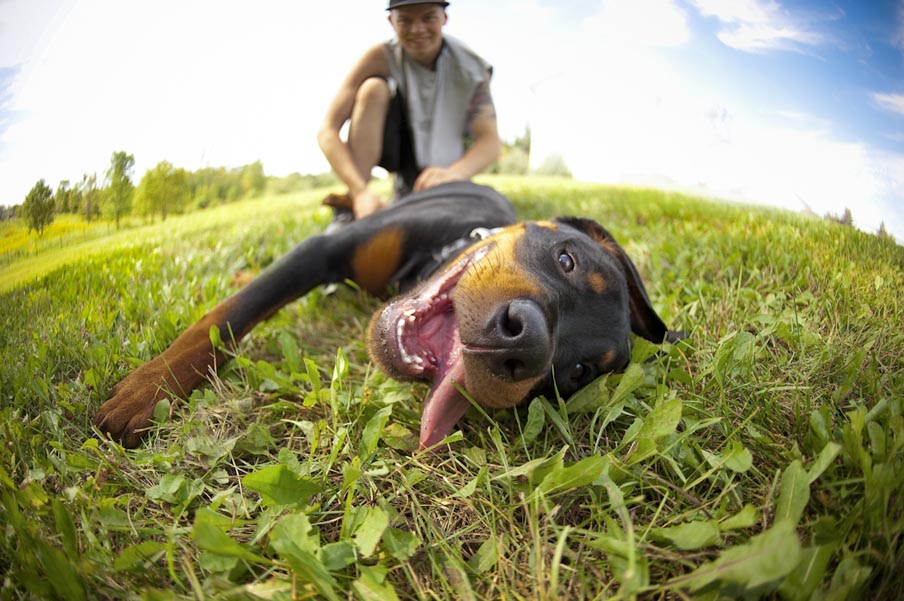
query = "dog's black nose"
{"x": 518, "y": 341}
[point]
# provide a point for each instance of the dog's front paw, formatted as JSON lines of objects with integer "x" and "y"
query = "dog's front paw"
{"x": 126, "y": 415}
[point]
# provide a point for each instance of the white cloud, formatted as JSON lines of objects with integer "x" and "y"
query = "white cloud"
{"x": 893, "y": 103}
{"x": 758, "y": 25}
{"x": 614, "y": 37}
{"x": 25, "y": 25}
{"x": 653, "y": 23}
{"x": 642, "y": 119}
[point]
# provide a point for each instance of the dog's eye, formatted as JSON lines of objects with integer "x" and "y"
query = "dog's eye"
{"x": 566, "y": 261}
{"x": 579, "y": 372}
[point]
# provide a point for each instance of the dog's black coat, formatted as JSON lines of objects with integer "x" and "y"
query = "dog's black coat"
{"x": 503, "y": 308}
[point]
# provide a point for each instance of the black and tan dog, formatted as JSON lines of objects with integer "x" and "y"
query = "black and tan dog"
{"x": 505, "y": 309}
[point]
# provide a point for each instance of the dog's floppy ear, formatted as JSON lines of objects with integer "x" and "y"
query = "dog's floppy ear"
{"x": 645, "y": 322}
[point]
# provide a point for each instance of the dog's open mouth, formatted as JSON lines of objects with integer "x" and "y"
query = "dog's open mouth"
{"x": 416, "y": 337}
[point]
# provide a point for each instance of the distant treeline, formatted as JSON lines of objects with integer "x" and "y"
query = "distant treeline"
{"x": 162, "y": 190}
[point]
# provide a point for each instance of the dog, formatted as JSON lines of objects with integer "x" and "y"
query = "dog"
{"x": 502, "y": 309}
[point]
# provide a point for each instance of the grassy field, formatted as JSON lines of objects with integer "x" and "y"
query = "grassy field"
{"x": 764, "y": 457}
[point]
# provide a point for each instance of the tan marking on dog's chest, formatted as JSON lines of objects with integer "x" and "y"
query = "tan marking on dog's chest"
{"x": 377, "y": 259}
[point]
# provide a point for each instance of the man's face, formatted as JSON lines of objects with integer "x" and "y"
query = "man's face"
{"x": 419, "y": 29}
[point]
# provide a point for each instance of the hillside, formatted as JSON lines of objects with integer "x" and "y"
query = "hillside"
{"x": 762, "y": 457}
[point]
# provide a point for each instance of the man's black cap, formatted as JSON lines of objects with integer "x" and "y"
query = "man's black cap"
{"x": 397, "y": 3}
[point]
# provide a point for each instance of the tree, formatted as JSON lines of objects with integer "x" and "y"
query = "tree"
{"x": 163, "y": 189}
{"x": 119, "y": 185}
{"x": 209, "y": 186}
{"x": 846, "y": 218}
{"x": 253, "y": 180}
{"x": 38, "y": 207}
{"x": 64, "y": 197}
{"x": 523, "y": 142}
{"x": 554, "y": 164}
{"x": 883, "y": 232}
{"x": 514, "y": 158}
{"x": 89, "y": 196}
{"x": 7, "y": 213}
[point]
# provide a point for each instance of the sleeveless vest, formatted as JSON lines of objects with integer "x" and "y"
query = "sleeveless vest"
{"x": 438, "y": 101}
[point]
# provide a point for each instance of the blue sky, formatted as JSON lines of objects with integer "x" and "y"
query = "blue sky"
{"x": 842, "y": 56}
{"x": 793, "y": 104}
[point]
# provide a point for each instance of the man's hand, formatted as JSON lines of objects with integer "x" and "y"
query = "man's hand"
{"x": 365, "y": 203}
{"x": 434, "y": 176}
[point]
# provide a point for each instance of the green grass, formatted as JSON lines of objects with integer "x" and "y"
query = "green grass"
{"x": 25, "y": 256}
{"x": 761, "y": 458}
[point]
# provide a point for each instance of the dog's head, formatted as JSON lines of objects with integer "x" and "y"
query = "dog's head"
{"x": 533, "y": 308}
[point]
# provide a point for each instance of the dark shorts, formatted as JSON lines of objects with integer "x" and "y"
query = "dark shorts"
{"x": 398, "y": 148}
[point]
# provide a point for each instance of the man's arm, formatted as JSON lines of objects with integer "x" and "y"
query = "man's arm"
{"x": 484, "y": 147}
{"x": 371, "y": 64}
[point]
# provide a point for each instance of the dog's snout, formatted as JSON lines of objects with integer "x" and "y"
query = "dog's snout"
{"x": 518, "y": 341}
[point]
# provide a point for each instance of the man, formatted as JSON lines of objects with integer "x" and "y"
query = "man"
{"x": 412, "y": 103}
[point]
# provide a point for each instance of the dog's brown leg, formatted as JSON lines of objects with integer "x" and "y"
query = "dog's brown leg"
{"x": 191, "y": 357}
{"x": 172, "y": 374}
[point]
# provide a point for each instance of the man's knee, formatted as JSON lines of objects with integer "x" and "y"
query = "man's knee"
{"x": 373, "y": 93}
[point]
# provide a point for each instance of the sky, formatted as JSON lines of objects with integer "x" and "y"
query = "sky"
{"x": 796, "y": 104}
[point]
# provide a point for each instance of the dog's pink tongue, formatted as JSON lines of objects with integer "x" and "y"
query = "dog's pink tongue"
{"x": 445, "y": 405}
